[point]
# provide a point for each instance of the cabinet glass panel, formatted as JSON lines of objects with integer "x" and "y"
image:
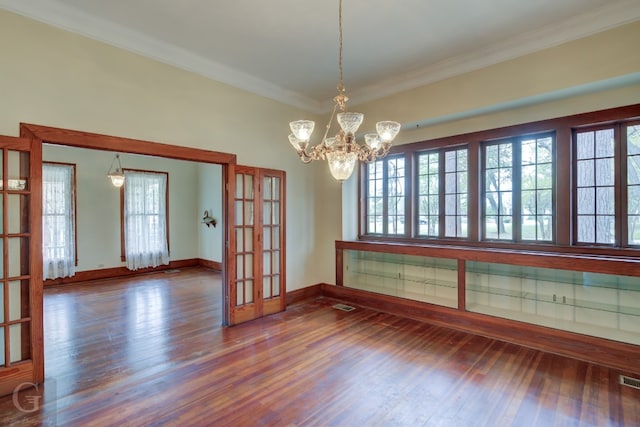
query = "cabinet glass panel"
{"x": 601, "y": 305}
{"x": 432, "y": 280}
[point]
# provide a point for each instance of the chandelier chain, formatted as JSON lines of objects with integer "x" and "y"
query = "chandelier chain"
{"x": 341, "y": 85}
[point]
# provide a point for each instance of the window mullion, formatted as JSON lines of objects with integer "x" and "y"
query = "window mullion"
{"x": 441, "y": 193}
{"x": 620, "y": 183}
{"x": 385, "y": 196}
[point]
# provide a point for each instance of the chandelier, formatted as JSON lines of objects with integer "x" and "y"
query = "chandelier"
{"x": 342, "y": 150}
{"x": 116, "y": 175}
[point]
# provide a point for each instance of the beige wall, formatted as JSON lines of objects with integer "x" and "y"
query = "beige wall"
{"x": 210, "y": 200}
{"x": 52, "y": 77}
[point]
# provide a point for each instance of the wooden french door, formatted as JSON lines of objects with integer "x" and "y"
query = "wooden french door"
{"x": 258, "y": 285}
{"x": 21, "y": 339}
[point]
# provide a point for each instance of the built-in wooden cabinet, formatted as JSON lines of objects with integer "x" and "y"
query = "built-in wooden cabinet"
{"x": 594, "y": 296}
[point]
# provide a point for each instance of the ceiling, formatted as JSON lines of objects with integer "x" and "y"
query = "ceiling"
{"x": 287, "y": 50}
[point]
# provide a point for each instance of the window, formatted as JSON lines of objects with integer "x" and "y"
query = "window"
{"x": 518, "y": 189}
{"x": 442, "y": 182}
{"x": 58, "y": 220}
{"x": 569, "y": 184}
{"x": 145, "y": 219}
{"x": 386, "y": 196}
{"x": 633, "y": 184}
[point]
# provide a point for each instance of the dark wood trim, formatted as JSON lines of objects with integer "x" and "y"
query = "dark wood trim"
{"x": 16, "y": 374}
{"x": 600, "y": 117}
{"x": 339, "y": 266}
{"x": 462, "y": 285}
{"x": 582, "y": 347}
{"x": 627, "y": 266}
{"x": 117, "y": 272}
{"x": 299, "y": 295}
{"x": 212, "y": 265}
{"x": 563, "y": 168}
{"x": 124, "y": 145}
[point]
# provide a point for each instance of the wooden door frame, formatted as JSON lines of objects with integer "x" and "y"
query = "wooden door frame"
{"x": 79, "y": 139}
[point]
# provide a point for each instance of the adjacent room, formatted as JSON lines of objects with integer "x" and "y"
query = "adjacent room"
{"x": 320, "y": 213}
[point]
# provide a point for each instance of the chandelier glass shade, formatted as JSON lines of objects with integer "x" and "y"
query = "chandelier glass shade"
{"x": 342, "y": 151}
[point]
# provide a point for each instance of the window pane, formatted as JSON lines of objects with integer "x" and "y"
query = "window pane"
{"x": 633, "y": 184}
{"x": 595, "y": 179}
{"x": 536, "y": 181}
{"x": 456, "y": 183}
{"x": 428, "y": 194}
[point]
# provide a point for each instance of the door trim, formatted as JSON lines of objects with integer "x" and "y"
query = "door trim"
{"x": 74, "y": 138}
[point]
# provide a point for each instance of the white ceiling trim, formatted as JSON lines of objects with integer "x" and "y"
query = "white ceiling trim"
{"x": 602, "y": 19}
{"x": 62, "y": 16}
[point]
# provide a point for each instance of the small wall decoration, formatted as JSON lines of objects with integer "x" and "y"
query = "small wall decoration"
{"x": 209, "y": 220}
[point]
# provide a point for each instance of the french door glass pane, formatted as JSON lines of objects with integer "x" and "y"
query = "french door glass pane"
{"x": 266, "y": 210}
{"x": 18, "y": 213}
{"x": 18, "y": 256}
{"x": 266, "y": 267}
{"x": 239, "y": 267}
{"x": 239, "y": 240}
{"x": 248, "y": 291}
{"x": 266, "y": 287}
{"x": 18, "y": 299}
{"x": 276, "y": 188}
{"x": 18, "y": 170}
{"x": 19, "y": 335}
{"x": 239, "y": 293}
{"x": 248, "y": 239}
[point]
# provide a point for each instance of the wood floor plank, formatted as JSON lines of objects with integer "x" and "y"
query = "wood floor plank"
{"x": 150, "y": 351}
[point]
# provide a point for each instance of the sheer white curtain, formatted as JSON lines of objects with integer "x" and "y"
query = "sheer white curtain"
{"x": 58, "y": 229}
{"x": 145, "y": 220}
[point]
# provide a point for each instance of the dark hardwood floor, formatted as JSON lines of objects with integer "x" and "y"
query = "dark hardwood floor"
{"x": 150, "y": 351}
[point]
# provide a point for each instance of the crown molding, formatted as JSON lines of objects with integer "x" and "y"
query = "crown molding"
{"x": 604, "y": 18}
{"x": 67, "y": 18}
{"x": 59, "y": 15}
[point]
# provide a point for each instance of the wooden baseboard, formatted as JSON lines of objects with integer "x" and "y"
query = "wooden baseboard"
{"x": 213, "y": 265}
{"x": 115, "y": 272}
{"x": 601, "y": 351}
{"x": 299, "y": 295}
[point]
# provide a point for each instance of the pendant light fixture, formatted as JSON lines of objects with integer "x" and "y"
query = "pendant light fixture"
{"x": 342, "y": 151}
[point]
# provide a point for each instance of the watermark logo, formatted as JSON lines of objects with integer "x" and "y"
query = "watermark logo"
{"x": 30, "y": 401}
{"x": 33, "y": 401}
